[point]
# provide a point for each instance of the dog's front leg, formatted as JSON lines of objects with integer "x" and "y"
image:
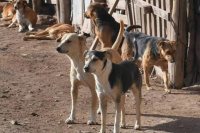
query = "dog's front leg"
{"x": 74, "y": 95}
{"x": 165, "y": 78}
{"x": 103, "y": 104}
{"x": 146, "y": 77}
{"x": 118, "y": 108}
{"x": 30, "y": 27}
{"x": 92, "y": 120}
{"x": 21, "y": 27}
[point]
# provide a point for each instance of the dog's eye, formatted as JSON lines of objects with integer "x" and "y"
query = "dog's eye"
{"x": 68, "y": 41}
{"x": 94, "y": 59}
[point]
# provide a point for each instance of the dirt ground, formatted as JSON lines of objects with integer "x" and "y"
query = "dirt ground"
{"x": 35, "y": 92}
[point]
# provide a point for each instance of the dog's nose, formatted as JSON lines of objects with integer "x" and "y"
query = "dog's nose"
{"x": 58, "y": 49}
{"x": 85, "y": 15}
{"x": 86, "y": 69}
{"x": 15, "y": 7}
{"x": 173, "y": 60}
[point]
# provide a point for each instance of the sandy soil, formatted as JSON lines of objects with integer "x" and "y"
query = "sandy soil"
{"x": 35, "y": 92}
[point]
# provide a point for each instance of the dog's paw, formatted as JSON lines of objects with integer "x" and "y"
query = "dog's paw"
{"x": 123, "y": 125}
{"x": 69, "y": 121}
{"x": 91, "y": 122}
{"x": 149, "y": 88}
{"x": 167, "y": 91}
{"x": 25, "y": 39}
{"x": 137, "y": 127}
{"x": 31, "y": 29}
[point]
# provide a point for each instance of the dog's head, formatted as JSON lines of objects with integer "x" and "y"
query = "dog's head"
{"x": 95, "y": 61}
{"x": 71, "y": 44}
{"x": 93, "y": 8}
{"x": 167, "y": 50}
{"x": 20, "y": 4}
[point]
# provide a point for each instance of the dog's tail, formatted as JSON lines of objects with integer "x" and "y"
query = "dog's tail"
{"x": 128, "y": 29}
{"x": 119, "y": 37}
{"x": 135, "y": 51}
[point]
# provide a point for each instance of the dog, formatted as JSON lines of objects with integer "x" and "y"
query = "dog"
{"x": 10, "y": 22}
{"x": 26, "y": 17}
{"x": 73, "y": 46}
{"x": 54, "y": 32}
{"x": 153, "y": 51}
{"x": 106, "y": 28}
{"x": 113, "y": 81}
{"x": 7, "y": 9}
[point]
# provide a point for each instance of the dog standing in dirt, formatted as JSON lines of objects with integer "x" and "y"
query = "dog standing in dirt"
{"x": 113, "y": 81}
{"x": 73, "y": 46}
{"x": 54, "y": 32}
{"x": 26, "y": 17}
{"x": 153, "y": 51}
{"x": 106, "y": 28}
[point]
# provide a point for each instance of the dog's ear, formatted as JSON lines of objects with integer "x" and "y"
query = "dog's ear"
{"x": 103, "y": 5}
{"x": 108, "y": 55}
{"x": 174, "y": 44}
{"x": 25, "y": 3}
{"x": 85, "y": 52}
{"x": 160, "y": 43}
{"x": 82, "y": 38}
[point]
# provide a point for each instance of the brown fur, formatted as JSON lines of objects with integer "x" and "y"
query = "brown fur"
{"x": 54, "y": 32}
{"x": 7, "y": 11}
{"x": 167, "y": 53}
{"x": 106, "y": 28}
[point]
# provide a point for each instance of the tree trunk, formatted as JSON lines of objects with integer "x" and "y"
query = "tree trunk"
{"x": 65, "y": 11}
{"x": 178, "y": 33}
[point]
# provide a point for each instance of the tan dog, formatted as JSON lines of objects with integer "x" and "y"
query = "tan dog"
{"x": 54, "y": 32}
{"x": 10, "y": 22}
{"x": 26, "y": 17}
{"x": 73, "y": 46}
{"x": 7, "y": 9}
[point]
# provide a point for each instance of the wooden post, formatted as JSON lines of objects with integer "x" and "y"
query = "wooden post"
{"x": 36, "y": 5}
{"x": 178, "y": 33}
{"x": 58, "y": 11}
{"x": 65, "y": 11}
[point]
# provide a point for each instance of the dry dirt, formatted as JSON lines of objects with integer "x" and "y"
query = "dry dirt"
{"x": 35, "y": 92}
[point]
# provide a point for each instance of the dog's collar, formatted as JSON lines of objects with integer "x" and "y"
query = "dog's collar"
{"x": 104, "y": 64}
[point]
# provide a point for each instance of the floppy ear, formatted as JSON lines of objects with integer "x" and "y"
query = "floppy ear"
{"x": 25, "y": 3}
{"x": 160, "y": 43}
{"x": 85, "y": 52}
{"x": 104, "y": 5}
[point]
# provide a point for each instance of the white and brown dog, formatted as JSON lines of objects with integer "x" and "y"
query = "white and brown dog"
{"x": 73, "y": 46}
{"x": 112, "y": 81}
{"x": 55, "y": 32}
{"x": 26, "y": 17}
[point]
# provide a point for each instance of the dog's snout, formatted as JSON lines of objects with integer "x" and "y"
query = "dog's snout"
{"x": 15, "y": 7}
{"x": 85, "y": 15}
{"x": 173, "y": 60}
{"x": 86, "y": 69}
{"x": 58, "y": 49}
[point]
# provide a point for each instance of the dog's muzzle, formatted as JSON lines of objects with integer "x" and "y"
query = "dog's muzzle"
{"x": 15, "y": 7}
{"x": 86, "y": 69}
{"x": 58, "y": 49}
{"x": 86, "y": 16}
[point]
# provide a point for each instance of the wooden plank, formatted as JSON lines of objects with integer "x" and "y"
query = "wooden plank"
{"x": 78, "y": 13}
{"x": 120, "y": 16}
{"x": 128, "y": 12}
{"x": 158, "y": 19}
{"x": 153, "y": 21}
{"x": 168, "y": 9}
{"x": 51, "y": 1}
{"x": 148, "y": 17}
{"x": 133, "y": 12}
{"x": 160, "y": 12}
{"x": 120, "y": 5}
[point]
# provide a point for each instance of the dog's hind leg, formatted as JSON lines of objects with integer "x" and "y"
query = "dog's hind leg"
{"x": 37, "y": 37}
{"x": 138, "y": 97}
{"x": 118, "y": 109}
{"x": 94, "y": 99}
{"x": 123, "y": 122}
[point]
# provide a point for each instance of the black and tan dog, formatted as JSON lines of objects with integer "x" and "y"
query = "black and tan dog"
{"x": 113, "y": 81}
{"x": 73, "y": 45}
{"x": 153, "y": 51}
{"x": 106, "y": 28}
